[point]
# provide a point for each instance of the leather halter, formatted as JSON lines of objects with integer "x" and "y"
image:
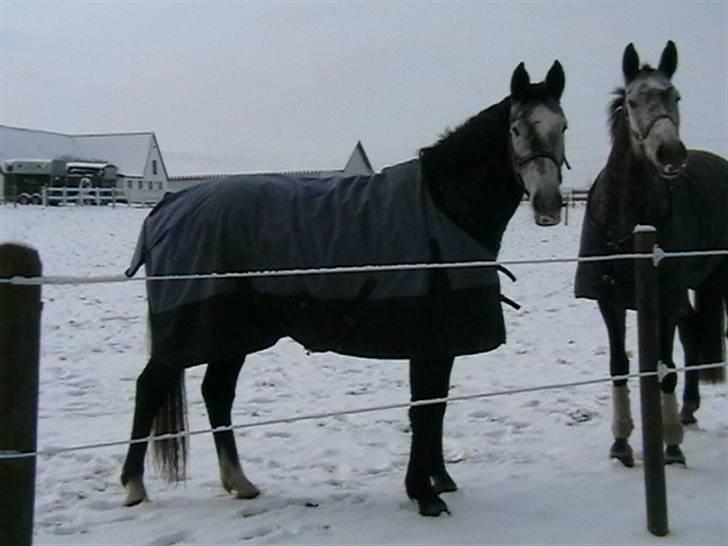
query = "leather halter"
{"x": 642, "y": 136}
{"x": 520, "y": 161}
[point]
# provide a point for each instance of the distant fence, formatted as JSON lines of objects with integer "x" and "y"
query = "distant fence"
{"x": 572, "y": 196}
{"x": 569, "y": 199}
{"x": 83, "y": 196}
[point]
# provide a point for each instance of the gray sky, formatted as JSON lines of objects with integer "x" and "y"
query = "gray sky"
{"x": 245, "y": 86}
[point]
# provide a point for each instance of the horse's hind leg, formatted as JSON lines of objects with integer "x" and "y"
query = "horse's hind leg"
{"x": 152, "y": 387}
{"x": 702, "y": 336}
{"x": 428, "y": 379}
{"x": 622, "y": 423}
{"x": 218, "y": 390}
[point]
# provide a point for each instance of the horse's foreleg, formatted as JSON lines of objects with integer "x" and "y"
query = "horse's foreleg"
{"x": 442, "y": 482}
{"x": 687, "y": 328}
{"x": 152, "y": 386}
{"x": 218, "y": 390}
{"x": 672, "y": 428}
{"x": 622, "y": 423}
{"x": 428, "y": 379}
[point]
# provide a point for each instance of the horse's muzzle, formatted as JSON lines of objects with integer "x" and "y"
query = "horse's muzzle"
{"x": 545, "y": 220}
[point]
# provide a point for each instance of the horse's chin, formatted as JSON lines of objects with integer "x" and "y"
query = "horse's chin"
{"x": 671, "y": 174}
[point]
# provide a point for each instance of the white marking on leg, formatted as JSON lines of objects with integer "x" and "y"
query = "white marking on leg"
{"x": 135, "y": 492}
{"x": 233, "y": 479}
{"x": 622, "y": 423}
{"x": 672, "y": 428}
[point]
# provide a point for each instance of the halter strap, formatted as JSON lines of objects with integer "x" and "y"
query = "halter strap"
{"x": 642, "y": 136}
{"x": 543, "y": 153}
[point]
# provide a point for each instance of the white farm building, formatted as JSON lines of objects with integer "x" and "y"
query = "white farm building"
{"x": 130, "y": 162}
{"x": 139, "y": 165}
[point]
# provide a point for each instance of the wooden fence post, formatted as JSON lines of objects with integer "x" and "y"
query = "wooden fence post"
{"x": 648, "y": 327}
{"x": 20, "y": 308}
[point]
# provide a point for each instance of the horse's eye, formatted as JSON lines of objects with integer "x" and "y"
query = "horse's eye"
{"x": 565, "y": 128}
{"x": 515, "y": 131}
{"x": 632, "y": 103}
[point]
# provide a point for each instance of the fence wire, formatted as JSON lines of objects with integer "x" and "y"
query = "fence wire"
{"x": 657, "y": 255}
{"x": 661, "y": 372}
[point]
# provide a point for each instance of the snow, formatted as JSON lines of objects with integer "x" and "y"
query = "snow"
{"x": 532, "y": 468}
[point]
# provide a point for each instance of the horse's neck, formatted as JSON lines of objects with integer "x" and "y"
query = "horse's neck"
{"x": 628, "y": 192}
{"x": 481, "y": 202}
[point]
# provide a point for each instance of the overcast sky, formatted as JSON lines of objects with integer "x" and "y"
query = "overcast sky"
{"x": 246, "y": 86}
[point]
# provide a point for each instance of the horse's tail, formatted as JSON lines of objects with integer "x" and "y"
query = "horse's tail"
{"x": 710, "y": 328}
{"x": 170, "y": 455}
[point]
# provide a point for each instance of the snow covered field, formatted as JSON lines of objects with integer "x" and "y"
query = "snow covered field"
{"x": 532, "y": 468}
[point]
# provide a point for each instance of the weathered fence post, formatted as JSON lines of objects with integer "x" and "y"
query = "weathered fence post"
{"x": 20, "y": 308}
{"x": 648, "y": 327}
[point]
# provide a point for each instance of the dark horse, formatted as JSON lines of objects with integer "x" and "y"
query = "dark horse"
{"x": 650, "y": 178}
{"x": 451, "y": 204}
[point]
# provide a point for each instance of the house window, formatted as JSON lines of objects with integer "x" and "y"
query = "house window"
{"x": 141, "y": 185}
{"x": 154, "y": 166}
{"x": 151, "y": 185}
{"x": 130, "y": 184}
{"x": 159, "y": 186}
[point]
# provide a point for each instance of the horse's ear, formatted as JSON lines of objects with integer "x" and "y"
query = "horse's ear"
{"x": 630, "y": 63}
{"x": 555, "y": 80}
{"x": 668, "y": 61}
{"x": 519, "y": 82}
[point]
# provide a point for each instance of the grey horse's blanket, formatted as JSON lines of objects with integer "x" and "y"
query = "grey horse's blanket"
{"x": 698, "y": 221}
{"x": 274, "y": 222}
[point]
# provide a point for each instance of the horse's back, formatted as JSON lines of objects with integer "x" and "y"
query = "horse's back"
{"x": 264, "y": 223}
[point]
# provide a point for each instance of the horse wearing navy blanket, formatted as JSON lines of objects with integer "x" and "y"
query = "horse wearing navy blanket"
{"x": 650, "y": 178}
{"x": 451, "y": 204}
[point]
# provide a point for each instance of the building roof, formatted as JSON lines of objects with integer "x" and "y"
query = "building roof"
{"x": 128, "y": 151}
{"x": 357, "y": 164}
{"x": 359, "y": 161}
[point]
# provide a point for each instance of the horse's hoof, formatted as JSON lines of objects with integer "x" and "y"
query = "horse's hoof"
{"x": 687, "y": 414}
{"x": 443, "y": 483}
{"x": 622, "y": 451}
{"x": 247, "y": 493}
{"x": 674, "y": 455}
{"x": 432, "y": 506}
{"x": 135, "y": 493}
{"x": 242, "y": 490}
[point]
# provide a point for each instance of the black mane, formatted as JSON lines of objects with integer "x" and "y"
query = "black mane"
{"x": 464, "y": 148}
{"x": 469, "y": 174}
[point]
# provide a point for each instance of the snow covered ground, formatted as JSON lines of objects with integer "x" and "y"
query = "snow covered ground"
{"x": 532, "y": 468}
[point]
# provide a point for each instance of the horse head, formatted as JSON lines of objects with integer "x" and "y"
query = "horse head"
{"x": 537, "y": 127}
{"x": 650, "y": 106}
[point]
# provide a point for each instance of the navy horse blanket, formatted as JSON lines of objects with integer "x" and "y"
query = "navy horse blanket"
{"x": 278, "y": 222}
{"x": 698, "y": 220}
